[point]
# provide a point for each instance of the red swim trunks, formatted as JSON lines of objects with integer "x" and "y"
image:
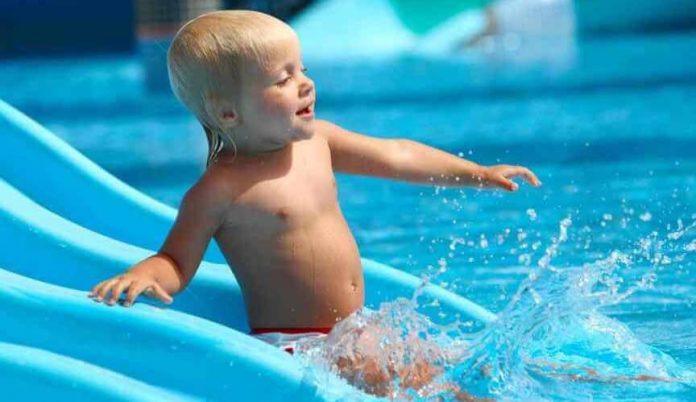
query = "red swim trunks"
{"x": 286, "y": 338}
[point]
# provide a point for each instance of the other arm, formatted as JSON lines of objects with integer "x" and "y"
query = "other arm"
{"x": 412, "y": 161}
{"x": 172, "y": 268}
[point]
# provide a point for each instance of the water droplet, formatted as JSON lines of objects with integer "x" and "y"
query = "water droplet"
{"x": 500, "y": 239}
{"x": 483, "y": 242}
{"x": 535, "y": 295}
{"x": 531, "y": 213}
{"x": 525, "y": 259}
{"x": 691, "y": 246}
{"x": 442, "y": 263}
{"x": 521, "y": 235}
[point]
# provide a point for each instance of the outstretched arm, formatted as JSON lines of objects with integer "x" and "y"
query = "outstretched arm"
{"x": 412, "y": 161}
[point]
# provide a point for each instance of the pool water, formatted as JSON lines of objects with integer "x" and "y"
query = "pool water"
{"x": 609, "y": 236}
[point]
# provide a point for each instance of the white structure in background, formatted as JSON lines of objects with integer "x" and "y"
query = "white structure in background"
{"x": 535, "y": 17}
{"x": 532, "y": 31}
{"x": 448, "y": 36}
{"x": 525, "y": 30}
{"x": 346, "y": 29}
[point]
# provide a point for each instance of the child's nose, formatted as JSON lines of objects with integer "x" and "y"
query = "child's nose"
{"x": 307, "y": 87}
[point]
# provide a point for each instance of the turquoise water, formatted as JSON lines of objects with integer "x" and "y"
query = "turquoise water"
{"x": 610, "y": 132}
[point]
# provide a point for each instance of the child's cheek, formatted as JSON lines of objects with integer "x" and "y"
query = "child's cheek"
{"x": 277, "y": 104}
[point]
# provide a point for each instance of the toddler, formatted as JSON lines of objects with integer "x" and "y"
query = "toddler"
{"x": 268, "y": 196}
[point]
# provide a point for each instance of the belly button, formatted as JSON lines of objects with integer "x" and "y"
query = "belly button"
{"x": 282, "y": 214}
{"x": 353, "y": 287}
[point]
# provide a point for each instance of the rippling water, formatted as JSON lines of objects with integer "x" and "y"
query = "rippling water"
{"x": 611, "y": 136}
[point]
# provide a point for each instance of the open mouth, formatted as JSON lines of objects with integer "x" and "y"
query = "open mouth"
{"x": 307, "y": 111}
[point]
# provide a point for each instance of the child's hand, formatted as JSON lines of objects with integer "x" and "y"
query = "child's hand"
{"x": 500, "y": 175}
{"x": 134, "y": 284}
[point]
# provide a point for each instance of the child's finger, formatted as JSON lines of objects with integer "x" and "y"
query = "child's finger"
{"x": 506, "y": 183}
{"x": 531, "y": 177}
{"x": 116, "y": 291}
{"x": 95, "y": 289}
{"x": 161, "y": 293}
{"x": 133, "y": 291}
{"x": 104, "y": 289}
{"x": 525, "y": 173}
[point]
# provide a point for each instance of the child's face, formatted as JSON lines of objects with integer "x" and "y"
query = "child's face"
{"x": 277, "y": 102}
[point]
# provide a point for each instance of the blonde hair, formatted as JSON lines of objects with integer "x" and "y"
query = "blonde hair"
{"x": 205, "y": 59}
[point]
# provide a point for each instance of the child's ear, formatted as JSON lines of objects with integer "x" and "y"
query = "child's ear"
{"x": 224, "y": 111}
{"x": 228, "y": 118}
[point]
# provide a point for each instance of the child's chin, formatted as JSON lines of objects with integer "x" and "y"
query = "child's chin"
{"x": 304, "y": 132}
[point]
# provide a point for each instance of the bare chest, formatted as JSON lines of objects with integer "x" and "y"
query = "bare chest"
{"x": 299, "y": 191}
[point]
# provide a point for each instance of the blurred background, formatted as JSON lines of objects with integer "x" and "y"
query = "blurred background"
{"x": 596, "y": 96}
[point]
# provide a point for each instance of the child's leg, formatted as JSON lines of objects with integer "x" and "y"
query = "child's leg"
{"x": 366, "y": 374}
{"x": 376, "y": 376}
{"x": 420, "y": 375}
{"x": 590, "y": 374}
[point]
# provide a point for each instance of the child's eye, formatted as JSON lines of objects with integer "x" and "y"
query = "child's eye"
{"x": 304, "y": 70}
{"x": 283, "y": 81}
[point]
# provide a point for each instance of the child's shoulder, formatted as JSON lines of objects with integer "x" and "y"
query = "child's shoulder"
{"x": 325, "y": 127}
{"x": 214, "y": 187}
{"x": 329, "y": 131}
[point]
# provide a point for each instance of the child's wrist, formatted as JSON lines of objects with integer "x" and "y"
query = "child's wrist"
{"x": 480, "y": 174}
{"x": 174, "y": 265}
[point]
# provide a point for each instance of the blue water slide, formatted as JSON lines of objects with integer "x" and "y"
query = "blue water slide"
{"x": 57, "y": 377}
{"x": 78, "y": 189}
{"x": 170, "y": 351}
{"x": 48, "y": 262}
{"x": 197, "y": 348}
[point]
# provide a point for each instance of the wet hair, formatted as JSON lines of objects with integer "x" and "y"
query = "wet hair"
{"x": 205, "y": 60}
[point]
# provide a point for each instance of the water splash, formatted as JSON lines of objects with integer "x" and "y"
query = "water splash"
{"x": 553, "y": 333}
{"x": 552, "y": 341}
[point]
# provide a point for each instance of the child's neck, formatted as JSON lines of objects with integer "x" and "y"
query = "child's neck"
{"x": 229, "y": 153}
{"x": 249, "y": 144}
